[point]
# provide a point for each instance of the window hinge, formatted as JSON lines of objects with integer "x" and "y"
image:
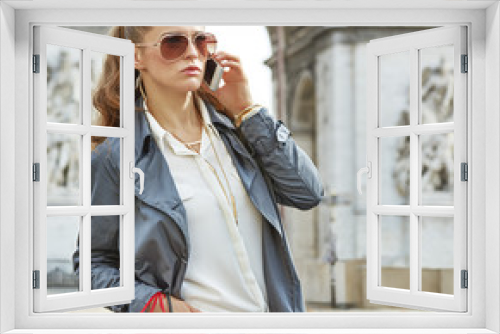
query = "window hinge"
{"x": 36, "y": 171}
{"x": 465, "y": 64}
{"x": 36, "y": 63}
{"x": 465, "y": 279}
{"x": 464, "y": 171}
{"x": 36, "y": 279}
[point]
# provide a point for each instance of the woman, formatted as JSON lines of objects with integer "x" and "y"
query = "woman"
{"x": 208, "y": 233}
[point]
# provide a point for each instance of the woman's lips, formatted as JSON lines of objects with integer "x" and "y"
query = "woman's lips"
{"x": 192, "y": 71}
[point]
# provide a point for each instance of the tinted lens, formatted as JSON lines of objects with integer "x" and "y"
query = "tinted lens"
{"x": 206, "y": 44}
{"x": 173, "y": 46}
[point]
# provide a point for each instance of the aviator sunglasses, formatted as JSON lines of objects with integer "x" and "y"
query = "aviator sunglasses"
{"x": 174, "y": 45}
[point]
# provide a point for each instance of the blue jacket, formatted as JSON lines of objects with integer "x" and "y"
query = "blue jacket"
{"x": 272, "y": 169}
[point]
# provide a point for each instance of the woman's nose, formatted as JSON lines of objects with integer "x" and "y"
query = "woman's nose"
{"x": 192, "y": 50}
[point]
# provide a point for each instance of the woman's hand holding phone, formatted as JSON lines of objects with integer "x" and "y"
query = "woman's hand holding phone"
{"x": 235, "y": 94}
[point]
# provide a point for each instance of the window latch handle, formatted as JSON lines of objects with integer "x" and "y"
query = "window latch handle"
{"x": 141, "y": 175}
{"x": 363, "y": 170}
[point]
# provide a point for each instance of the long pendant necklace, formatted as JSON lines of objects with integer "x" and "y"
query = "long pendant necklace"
{"x": 229, "y": 197}
{"x": 233, "y": 202}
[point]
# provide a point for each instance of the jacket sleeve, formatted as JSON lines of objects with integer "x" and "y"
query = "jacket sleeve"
{"x": 294, "y": 177}
{"x": 105, "y": 253}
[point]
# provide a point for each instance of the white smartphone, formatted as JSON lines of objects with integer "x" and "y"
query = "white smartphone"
{"x": 213, "y": 74}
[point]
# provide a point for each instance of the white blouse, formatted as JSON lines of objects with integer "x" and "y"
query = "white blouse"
{"x": 224, "y": 271}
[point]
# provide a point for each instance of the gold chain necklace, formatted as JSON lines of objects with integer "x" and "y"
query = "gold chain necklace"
{"x": 171, "y": 132}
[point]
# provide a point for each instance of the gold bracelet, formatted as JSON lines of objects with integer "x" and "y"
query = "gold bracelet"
{"x": 243, "y": 111}
{"x": 239, "y": 118}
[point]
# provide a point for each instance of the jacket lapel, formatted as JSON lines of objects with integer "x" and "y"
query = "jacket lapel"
{"x": 247, "y": 167}
{"x": 160, "y": 191}
{"x": 245, "y": 164}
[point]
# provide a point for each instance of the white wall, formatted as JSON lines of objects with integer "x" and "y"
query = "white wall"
{"x": 7, "y": 171}
{"x": 491, "y": 167}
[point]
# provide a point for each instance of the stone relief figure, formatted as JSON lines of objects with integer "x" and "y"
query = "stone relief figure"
{"x": 63, "y": 151}
{"x": 437, "y": 107}
{"x": 437, "y": 150}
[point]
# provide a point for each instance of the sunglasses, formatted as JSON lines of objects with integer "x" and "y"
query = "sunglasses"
{"x": 174, "y": 45}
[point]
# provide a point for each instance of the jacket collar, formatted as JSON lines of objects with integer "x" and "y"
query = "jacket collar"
{"x": 143, "y": 135}
{"x": 219, "y": 118}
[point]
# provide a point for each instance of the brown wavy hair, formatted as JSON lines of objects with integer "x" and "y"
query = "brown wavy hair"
{"x": 106, "y": 96}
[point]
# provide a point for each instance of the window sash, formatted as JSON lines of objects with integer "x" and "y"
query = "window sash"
{"x": 413, "y": 298}
{"x": 85, "y": 297}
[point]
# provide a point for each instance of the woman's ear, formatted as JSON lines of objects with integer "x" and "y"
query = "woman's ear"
{"x": 138, "y": 60}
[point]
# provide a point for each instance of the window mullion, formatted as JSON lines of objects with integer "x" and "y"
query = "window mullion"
{"x": 85, "y": 262}
{"x": 85, "y": 237}
{"x": 86, "y": 112}
{"x": 414, "y": 181}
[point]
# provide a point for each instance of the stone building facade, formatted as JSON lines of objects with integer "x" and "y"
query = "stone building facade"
{"x": 322, "y": 72}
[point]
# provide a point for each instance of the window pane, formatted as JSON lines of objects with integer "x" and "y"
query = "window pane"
{"x": 97, "y": 60}
{"x": 63, "y": 169}
{"x": 105, "y": 181}
{"x": 106, "y": 250}
{"x": 394, "y": 98}
{"x": 437, "y": 254}
{"x": 395, "y": 170}
{"x": 436, "y": 70}
{"x": 63, "y": 84}
{"x": 437, "y": 169}
{"x": 62, "y": 234}
{"x": 395, "y": 251}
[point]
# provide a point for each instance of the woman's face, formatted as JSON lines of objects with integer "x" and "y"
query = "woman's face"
{"x": 166, "y": 74}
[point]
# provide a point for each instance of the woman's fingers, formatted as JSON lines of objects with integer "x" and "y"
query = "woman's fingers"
{"x": 233, "y": 72}
{"x": 194, "y": 309}
{"x": 220, "y": 55}
{"x": 229, "y": 63}
{"x": 187, "y": 308}
{"x": 180, "y": 305}
{"x": 227, "y": 60}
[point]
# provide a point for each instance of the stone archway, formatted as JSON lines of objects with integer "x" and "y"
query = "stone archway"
{"x": 303, "y": 116}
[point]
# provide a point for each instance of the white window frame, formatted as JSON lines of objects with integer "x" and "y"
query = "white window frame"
{"x": 483, "y": 125}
